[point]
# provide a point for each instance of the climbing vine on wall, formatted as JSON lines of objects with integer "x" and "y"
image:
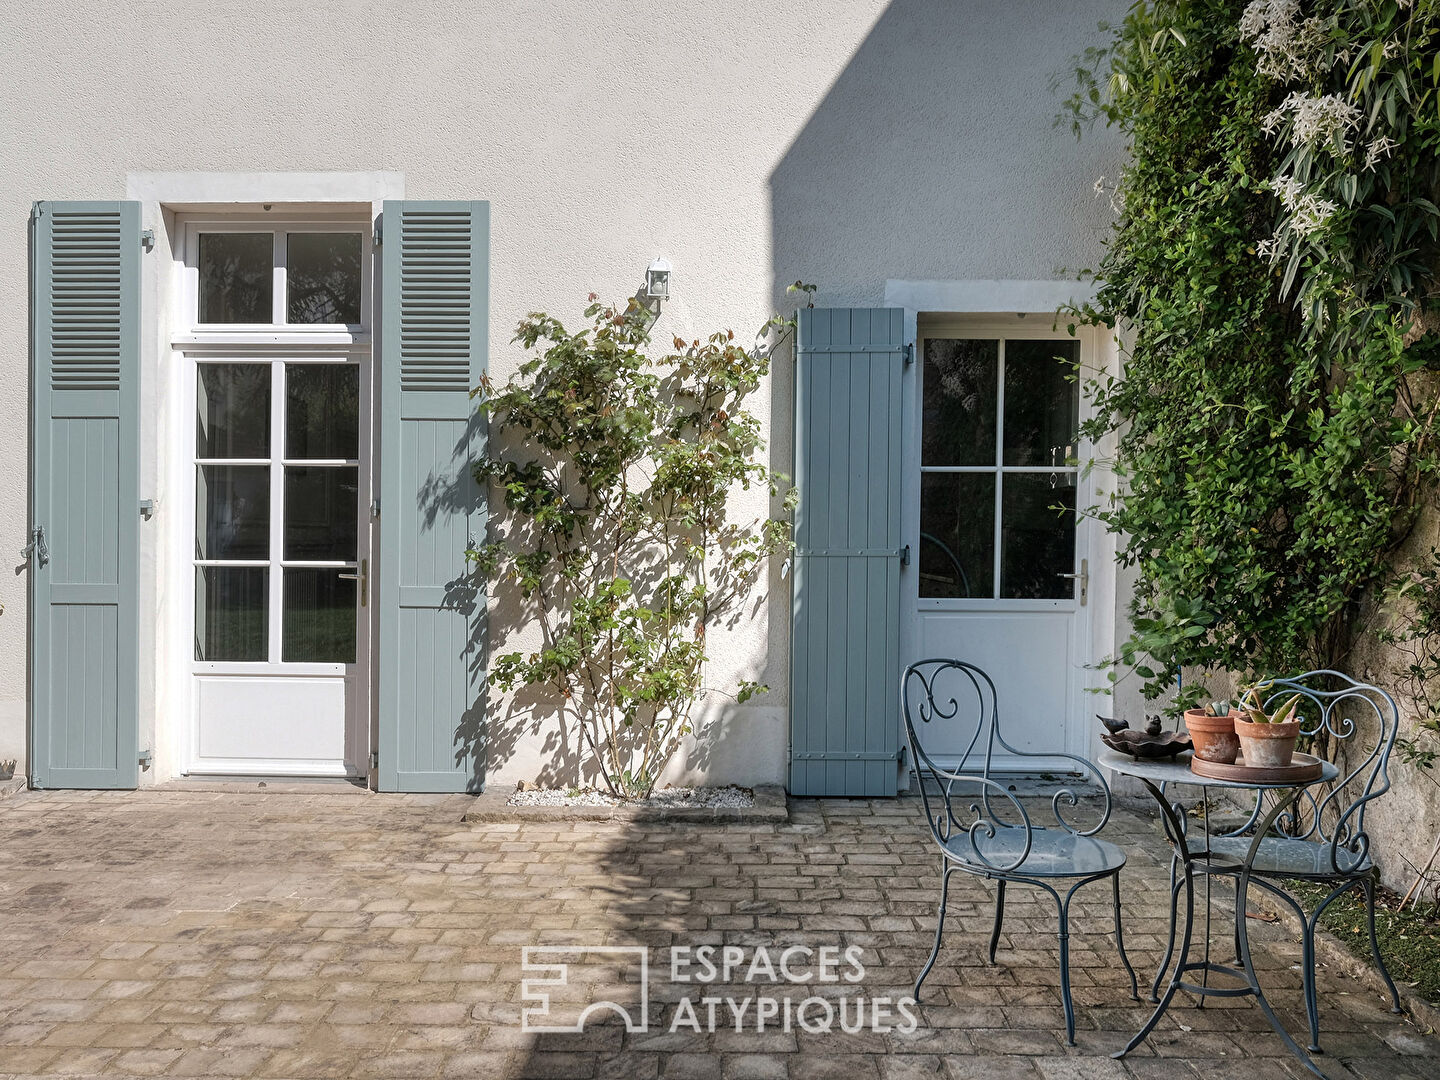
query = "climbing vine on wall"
{"x": 619, "y": 465}
{"x": 1271, "y": 274}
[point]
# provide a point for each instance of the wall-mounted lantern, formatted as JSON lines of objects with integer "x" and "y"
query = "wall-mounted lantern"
{"x": 657, "y": 280}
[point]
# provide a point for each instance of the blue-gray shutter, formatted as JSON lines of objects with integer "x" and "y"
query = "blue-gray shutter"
{"x": 84, "y": 494}
{"x": 434, "y": 341}
{"x": 845, "y": 657}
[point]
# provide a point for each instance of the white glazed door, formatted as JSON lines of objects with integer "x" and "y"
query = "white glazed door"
{"x": 1001, "y": 573}
{"x": 279, "y": 455}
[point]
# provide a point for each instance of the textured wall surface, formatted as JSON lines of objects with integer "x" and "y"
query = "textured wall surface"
{"x": 840, "y": 141}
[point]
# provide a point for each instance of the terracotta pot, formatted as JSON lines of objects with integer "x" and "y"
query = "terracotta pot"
{"x": 1214, "y": 736}
{"x": 1268, "y": 746}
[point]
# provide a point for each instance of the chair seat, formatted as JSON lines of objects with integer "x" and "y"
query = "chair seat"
{"x": 1053, "y": 853}
{"x": 1281, "y": 857}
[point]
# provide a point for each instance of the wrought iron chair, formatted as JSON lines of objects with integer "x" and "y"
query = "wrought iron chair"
{"x": 1317, "y": 834}
{"x": 993, "y": 837}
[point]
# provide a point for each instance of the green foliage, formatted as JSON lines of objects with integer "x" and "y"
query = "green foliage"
{"x": 617, "y": 476}
{"x": 1269, "y": 448}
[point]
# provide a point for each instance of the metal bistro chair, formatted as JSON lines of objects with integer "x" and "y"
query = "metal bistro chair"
{"x": 992, "y": 836}
{"x": 1317, "y": 835}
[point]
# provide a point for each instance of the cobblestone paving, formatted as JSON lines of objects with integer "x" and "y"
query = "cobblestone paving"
{"x": 197, "y": 934}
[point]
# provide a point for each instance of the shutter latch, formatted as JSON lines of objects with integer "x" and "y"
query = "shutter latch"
{"x": 147, "y": 508}
{"x": 36, "y": 547}
{"x": 147, "y": 239}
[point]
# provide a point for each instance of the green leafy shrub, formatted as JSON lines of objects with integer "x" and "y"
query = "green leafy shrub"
{"x": 617, "y": 476}
{"x": 1270, "y": 273}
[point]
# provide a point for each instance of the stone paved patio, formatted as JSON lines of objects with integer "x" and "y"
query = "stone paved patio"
{"x": 204, "y": 934}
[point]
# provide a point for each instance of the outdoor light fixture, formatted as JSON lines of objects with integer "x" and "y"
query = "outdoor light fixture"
{"x": 657, "y": 280}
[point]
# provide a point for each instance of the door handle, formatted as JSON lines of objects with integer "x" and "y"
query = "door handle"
{"x": 363, "y": 577}
{"x": 1083, "y": 577}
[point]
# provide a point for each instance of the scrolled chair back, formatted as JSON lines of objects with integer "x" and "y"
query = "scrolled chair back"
{"x": 1362, "y": 721}
{"x": 972, "y": 815}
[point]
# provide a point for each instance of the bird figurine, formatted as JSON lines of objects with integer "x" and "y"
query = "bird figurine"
{"x": 1111, "y": 725}
{"x": 1152, "y": 725}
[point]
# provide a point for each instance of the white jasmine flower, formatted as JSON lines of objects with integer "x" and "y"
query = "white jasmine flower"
{"x": 1380, "y": 148}
{"x": 1308, "y": 213}
{"x": 1288, "y": 46}
{"x": 1315, "y": 120}
{"x": 1268, "y": 249}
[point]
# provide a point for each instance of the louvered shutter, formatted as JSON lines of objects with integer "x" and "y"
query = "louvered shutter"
{"x": 845, "y": 656}
{"x": 84, "y": 494}
{"x": 434, "y": 341}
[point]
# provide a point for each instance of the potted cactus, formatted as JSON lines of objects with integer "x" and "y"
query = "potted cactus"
{"x": 1267, "y": 738}
{"x": 1212, "y": 729}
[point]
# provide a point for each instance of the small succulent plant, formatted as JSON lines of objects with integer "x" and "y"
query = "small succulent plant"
{"x": 1252, "y": 705}
{"x": 1217, "y": 708}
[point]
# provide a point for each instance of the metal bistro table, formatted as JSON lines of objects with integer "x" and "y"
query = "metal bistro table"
{"x": 1203, "y": 861}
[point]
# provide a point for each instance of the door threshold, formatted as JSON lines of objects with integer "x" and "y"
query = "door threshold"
{"x": 269, "y": 785}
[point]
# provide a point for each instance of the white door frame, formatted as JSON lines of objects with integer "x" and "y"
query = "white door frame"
{"x": 1081, "y": 676}
{"x": 191, "y": 342}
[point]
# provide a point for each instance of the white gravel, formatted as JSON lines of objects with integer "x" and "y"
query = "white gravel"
{"x": 667, "y": 797}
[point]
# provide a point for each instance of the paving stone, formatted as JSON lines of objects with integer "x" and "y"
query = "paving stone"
{"x": 300, "y": 935}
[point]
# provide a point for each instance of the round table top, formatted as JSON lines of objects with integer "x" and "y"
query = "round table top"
{"x": 1177, "y": 771}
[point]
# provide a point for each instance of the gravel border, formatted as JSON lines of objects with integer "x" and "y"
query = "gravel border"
{"x": 493, "y": 806}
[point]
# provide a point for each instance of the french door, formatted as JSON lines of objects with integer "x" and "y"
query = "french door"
{"x": 276, "y": 359}
{"x": 281, "y": 566}
{"x": 1001, "y": 569}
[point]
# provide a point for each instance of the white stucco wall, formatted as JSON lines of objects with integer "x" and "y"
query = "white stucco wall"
{"x": 845, "y": 142}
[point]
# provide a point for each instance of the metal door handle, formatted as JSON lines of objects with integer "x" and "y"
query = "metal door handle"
{"x": 1083, "y": 577}
{"x": 363, "y": 577}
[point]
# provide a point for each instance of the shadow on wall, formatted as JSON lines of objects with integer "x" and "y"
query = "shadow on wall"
{"x": 935, "y": 154}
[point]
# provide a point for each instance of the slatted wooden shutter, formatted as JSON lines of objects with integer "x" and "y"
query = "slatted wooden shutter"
{"x": 845, "y": 661}
{"x": 84, "y": 494}
{"x": 435, "y": 337}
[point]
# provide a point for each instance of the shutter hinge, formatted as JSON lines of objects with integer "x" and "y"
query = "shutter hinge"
{"x": 147, "y": 508}
{"x": 909, "y": 353}
{"x": 375, "y": 507}
{"x": 147, "y": 239}
{"x": 146, "y": 756}
{"x": 379, "y": 236}
{"x": 374, "y": 759}
{"x": 905, "y": 555}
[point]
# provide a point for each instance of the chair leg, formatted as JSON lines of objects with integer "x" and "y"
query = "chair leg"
{"x": 945, "y": 871}
{"x": 1170, "y": 941}
{"x": 1239, "y": 914}
{"x": 1065, "y": 971}
{"x": 999, "y": 918}
{"x": 1120, "y": 940}
{"x": 1307, "y": 979}
{"x": 1375, "y": 946}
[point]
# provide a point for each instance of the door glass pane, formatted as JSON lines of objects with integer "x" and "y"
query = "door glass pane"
{"x": 960, "y": 381}
{"x": 1037, "y": 536}
{"x": 237, "y": 277}
{"x": 232, "y": 411}
{"x": 322, "y": 411}
{"x": 320, "y": 512}
{"x": 1042, "y": 401}
{"x": 232, "y": 512}
{"x": 323, "y": 277}
{"x": 957, "y": 535}
{"x": 231, "y": 612}
{"x": 318, "y": 617}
